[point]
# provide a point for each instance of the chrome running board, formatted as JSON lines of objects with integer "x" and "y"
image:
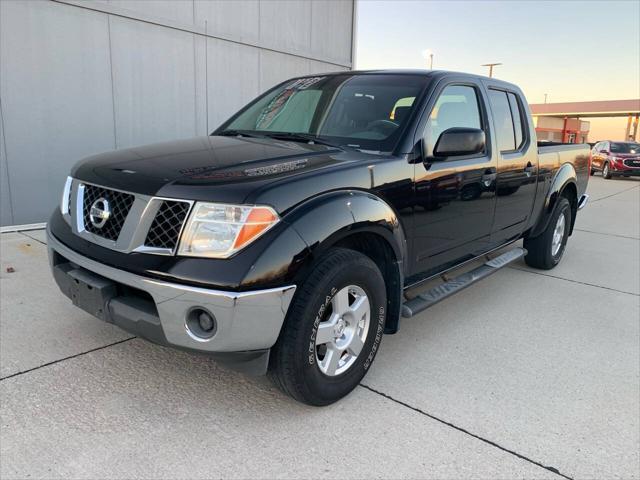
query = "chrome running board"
{"x": 448, "y": 288}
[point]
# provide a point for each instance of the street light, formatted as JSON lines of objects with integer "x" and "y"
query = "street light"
{"x": 490, "y": 65}
{"x": 428, "y": 54}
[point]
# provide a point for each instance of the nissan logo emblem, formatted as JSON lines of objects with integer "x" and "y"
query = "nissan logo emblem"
{"x": 99, "y": 212}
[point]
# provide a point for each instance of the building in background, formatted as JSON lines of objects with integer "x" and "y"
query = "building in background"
{"x": 561, "y": 122}
{"x": 560, "y": 129}
{"x": 78, "y": 78}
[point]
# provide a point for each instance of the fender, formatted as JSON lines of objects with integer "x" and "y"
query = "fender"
{"x": 566, "y": 175}
{"x": 331, "y": 218}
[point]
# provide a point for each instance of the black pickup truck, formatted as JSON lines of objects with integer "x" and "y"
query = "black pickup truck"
{"x": 302, "y": 229}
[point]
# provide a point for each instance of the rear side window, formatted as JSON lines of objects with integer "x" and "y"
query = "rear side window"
{"x": 457, "y": 106}
{"x": 502, "y": 120}
{"x": 517, "y": 119}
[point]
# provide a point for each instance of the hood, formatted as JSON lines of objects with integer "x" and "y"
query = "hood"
{"x": 213, "y": 168}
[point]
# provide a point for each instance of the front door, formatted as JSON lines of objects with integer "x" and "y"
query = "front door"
{"x": 455, "y": 197}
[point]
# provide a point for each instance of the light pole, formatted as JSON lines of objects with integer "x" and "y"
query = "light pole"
{"x": 490, "y": 65}
{"x": 428, "y": 54}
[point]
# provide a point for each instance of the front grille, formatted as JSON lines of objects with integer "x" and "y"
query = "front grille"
{"x": 119, "y": 204}
{"x": 632, "y": 162}
{"x": 69, "y": 206}
{"x": 166, "y": 226}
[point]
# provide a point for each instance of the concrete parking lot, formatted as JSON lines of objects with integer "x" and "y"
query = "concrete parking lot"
{"x": 528, "y": 374}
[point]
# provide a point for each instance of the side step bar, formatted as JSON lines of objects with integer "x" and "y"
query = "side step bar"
{"x": 440, "y": 292}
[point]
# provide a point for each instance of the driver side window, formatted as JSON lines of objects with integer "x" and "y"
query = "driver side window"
{"x": 457, "y": 106}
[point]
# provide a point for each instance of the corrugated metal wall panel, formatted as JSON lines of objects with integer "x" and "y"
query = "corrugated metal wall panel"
{"x": 79, "y": 78}
{"x": 6, "y": 215}
{"x": 225, "y": 57}
{"x": 177, "y": 11}
{"x": 56, "y": 98}
{"x": 331, "y": 29}
{"x": 153, "y": 82}
{"x": 286, "y": 25}
{"x": 239, "y": 21}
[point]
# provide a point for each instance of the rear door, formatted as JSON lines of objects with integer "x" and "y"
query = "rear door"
{"x": 517, "y": 165}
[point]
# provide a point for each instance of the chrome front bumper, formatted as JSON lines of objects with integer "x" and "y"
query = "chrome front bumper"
{"x": 245, "y": 320}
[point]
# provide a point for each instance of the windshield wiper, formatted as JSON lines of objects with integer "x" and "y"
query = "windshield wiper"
{"x": 238, "y": 133}
{"x": 299, "y": 137}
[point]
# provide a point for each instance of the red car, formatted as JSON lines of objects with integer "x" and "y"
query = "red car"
{"x": 616, "y": 158}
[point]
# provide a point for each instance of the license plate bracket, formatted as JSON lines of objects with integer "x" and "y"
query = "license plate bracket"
{"x": 87, "y": 291}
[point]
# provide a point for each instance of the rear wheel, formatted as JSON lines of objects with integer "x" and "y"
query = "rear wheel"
{"x": 606, "y": 172}
{"x": 333, "y": 329}
{"x": 545, "y": 250}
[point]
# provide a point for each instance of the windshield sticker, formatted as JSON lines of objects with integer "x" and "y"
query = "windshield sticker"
{"x": 303, "y": 83}
{"x": 279, "y": 102}
{"x": 275, "y": 107}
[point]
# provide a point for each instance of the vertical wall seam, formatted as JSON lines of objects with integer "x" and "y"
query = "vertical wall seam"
{"x": 195, "y": 71}
{"x": 354, "y": 33}
{"x": 6, "y": 163}
{"x": 206, "y": 74}
{"x": 312, "y": 3}
{"x": 260, "y": 50}
{"x": 113, "y": 94}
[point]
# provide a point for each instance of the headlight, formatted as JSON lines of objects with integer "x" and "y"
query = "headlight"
{"x": 218, "y": 231}
{"x": 66, "y": 193}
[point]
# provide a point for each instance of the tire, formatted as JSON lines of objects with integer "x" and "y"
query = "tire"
{"x": 541, "y": 250}
{"x": 300, "y": 366}
{"x": 592, "y": 172}
{"x": 606, "y": 172}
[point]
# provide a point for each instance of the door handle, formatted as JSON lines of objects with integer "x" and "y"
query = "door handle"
{"x": 489, "y": 176}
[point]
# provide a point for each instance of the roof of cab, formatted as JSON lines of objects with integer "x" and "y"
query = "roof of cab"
{"x": 416, "y": 71}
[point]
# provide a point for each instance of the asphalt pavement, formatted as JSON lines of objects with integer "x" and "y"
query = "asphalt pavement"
{"x": 528, "y": 374}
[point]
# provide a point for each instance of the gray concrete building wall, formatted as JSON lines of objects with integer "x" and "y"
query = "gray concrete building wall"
{"x": 82, "y": 77}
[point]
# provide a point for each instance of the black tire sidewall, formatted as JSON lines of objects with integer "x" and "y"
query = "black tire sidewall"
{"x": 316, "y": 387}
{"x": 564, "y": 208}
{"x": 334, "y": 386}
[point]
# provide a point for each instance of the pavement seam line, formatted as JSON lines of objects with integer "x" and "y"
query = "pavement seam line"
{"x": 65, "y": 358}
{"x": 21, "y": 232}
{"x": 614, "y": 194}
{"x": 606, "y": 234}
{"x": 575, "y": 281}
{"x": 467, "y": 432}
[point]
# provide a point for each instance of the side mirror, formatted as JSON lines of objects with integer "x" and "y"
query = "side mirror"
{"x": 459, "y": 141}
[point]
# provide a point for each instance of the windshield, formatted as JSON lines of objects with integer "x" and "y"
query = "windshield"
{"x": 360, "y": 111}
{"x": 619, "y": 147}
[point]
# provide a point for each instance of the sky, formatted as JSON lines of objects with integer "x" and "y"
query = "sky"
{"x": 570, "y": 50}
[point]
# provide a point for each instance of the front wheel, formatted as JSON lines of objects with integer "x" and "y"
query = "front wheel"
{"x": 333, "y": 329}
{"x": 545, "y": 250}
{"x": 606, "y": 172}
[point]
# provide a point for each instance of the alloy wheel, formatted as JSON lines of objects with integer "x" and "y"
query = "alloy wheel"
{"x": 558, "y": 235}
{"x": 341, "y": 336}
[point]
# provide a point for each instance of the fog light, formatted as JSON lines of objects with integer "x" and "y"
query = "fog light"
{"x": 201, "y": 325}
{"x": 206, "y": 321}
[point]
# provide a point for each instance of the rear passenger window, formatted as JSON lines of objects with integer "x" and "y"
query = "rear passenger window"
{"x": 457, "y": 106}
{"x": 502, "y": 120}
{"x": 517, "y": 119}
